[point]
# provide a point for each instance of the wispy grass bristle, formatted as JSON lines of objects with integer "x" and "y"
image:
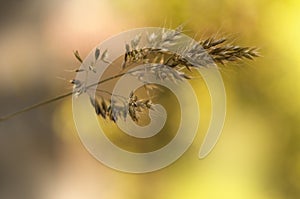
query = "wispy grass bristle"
{"x": 159, "y": 61}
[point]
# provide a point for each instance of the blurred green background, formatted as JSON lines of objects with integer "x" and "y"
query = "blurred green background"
{"x": 258, "y": 154}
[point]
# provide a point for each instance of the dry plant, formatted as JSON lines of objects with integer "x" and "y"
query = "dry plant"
{"x": 158, "y": 61}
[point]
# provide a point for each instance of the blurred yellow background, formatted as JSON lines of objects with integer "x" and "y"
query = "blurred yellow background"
{"x": 258, "y": 154}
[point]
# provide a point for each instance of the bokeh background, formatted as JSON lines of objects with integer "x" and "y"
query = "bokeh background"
{"x": 258, "y": 154}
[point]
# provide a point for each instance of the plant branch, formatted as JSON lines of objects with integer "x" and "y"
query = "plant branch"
{"x": 34, "y": 106}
